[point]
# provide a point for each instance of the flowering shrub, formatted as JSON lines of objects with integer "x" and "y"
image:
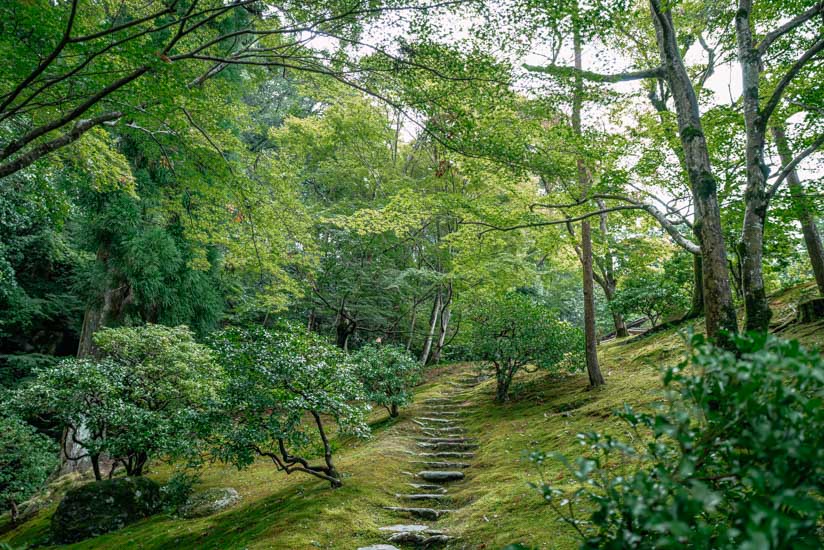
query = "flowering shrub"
{"x": 282, "y": 385}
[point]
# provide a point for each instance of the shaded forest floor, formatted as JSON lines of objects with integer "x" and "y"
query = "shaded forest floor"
{"x": 494, "y": 505}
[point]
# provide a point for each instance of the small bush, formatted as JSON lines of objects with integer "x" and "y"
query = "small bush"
{"x": 733, "y": 459}
{"x": 146, "y": 397}
{"x": 388, "y": 374}
{"x": 284, "y": 386}
{"x": 177, "y": 490}
{"x": 27, "y": 458}
{"x": 513, "y": 331}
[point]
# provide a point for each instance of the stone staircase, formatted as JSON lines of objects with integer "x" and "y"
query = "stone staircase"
{"x": 443, "y": 451}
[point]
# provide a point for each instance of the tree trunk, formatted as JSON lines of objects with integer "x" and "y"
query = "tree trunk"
{"x": 751, "y": 245}
{"x": 718, "y": 303}
{"x": 445, "y": 315}
{"x": 503, "y": 379}
{"x": 393, "y": 410}
{"x": 805, "y": 213}
{"x": 697, "y": 306}
{"x": 433, "y": 319}
{"x": 591, "y": 341}
{"x": 412, "y": 326}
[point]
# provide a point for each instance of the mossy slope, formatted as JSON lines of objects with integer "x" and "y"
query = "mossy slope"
{"x": 495, "y": 505}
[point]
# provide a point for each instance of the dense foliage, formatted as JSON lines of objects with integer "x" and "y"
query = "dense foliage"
{"x": 514, "y": 331}
{"x": 27, "y": 458}
{"x": 388, "y": 374}
{"x": 146, "y": 397}
{"x": 282, "y": 384}
{"x": 732, "y": 460}
{"x": 653, "y": 295}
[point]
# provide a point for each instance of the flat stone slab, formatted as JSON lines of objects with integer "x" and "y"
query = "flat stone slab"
{"x": 448, "y": 446}
{"x": 419, "y": 539}
{"x": 441, "y": 475}
{"x": 447, "y": 454}
{"x": 428, "y": 487}
{"x": 442, "y": 465}
{"x": 422, "y": 496}
{"x": 424, "y": 513}
{"x": 440, "y": 412}
{"x": 437, "y": 400}
{"x": 379, "y": 547}
{"x": 444, "y": 429}
{"x": 436, "y": 420}
{"x": 446, "y": 439}
{"x": 403, "y": 528}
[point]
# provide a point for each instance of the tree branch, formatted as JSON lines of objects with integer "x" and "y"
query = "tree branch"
{"x": 771, "y": 105}
{"x": 786, "y": 170}
{"x": 800, "y": 19}
{"x": 657, "y": 72}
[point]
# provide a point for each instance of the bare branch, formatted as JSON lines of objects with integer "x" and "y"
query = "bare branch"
{"x": 771, "y": 105}
{"x": 786, "y": 170}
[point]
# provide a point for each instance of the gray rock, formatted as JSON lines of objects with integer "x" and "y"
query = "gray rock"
{"x": 418, "y": 539}
{"x": 422, "y": 496}
{"x": 103, "y": 506}
{"x": 208, "y": 502}
{"x": 423, "y": 513}
{"x": 404, "y": 528}
{"x": 447, "y": 454}
{"x": 441, "y": 476}
{"x": 442, "y": 465}
{"x": 379, "y": 547}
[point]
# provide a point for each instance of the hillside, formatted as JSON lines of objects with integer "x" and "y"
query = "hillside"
{"x": 491, "y": 507}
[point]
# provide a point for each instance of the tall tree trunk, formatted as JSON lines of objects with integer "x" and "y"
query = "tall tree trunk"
{"x": 751, "y": 245}
{"x": 445, "y": 315}
{"x": 412, "y": 325}
{"x": 591, "y": 341}
{"x": 718, "y": 303}
{"x": 433, "y": 320}
{"x": 805, "y": 213}
{"x": 697, "y": 305}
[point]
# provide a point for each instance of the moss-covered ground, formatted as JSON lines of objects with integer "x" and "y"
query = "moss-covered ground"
{"x": 494, "y": 505}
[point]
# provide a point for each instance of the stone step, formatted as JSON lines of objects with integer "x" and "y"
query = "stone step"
{"x": 419, "y": 539}
{"x": 447, "y": 454}
{"x": 446, "y": 439}
{"x": 379, "y": 547}
{"x": 429, "y": 487}
{"x": 410, "y": 528}
{"x": 457, "y": 446}
{"x": 438, "y": 400}
{"x": 421, "y": 496}
{"x": 440, "y": 412}
{"x": 441, "y": 465}
{"x": 456, "y": 429}
{"x": 436, "y": 420}
{"x": 440, "y": 476}
{"x": 424, "y": 513}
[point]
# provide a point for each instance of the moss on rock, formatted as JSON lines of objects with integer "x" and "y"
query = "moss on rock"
{"x": 103, "y": 506}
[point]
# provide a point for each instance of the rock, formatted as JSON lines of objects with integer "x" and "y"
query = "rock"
{"x": 446, "y": 439}
{"x": 405, "y": 528}
{"x": 423, "y": 513}
{"x": 450, "y": 446}
{"x": 447, "y": 454}
{"x": 379, "y": 547}
{"x": 442, "y": 465}
{"x": 418, "y": 539}
{"x": 441, "y": 476}
{"x": 208, "y": 502}
{"x": 435, "y": 420}
{"x": 103, "y": 506}
{"x": 422, "y": 496}
{"x": 427, "y": 487}
{"x": 811, "y": 310}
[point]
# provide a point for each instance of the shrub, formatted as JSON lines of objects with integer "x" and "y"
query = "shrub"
{"x": 146, "y": 397}
{"x": 733, "y": 459}
{"x": 651, "y": 294}
{"x": 276, "y": 379}
{"x": 26, "y": 460}
{"x": 388, "y": 374}
{"x": 513, "y": 331}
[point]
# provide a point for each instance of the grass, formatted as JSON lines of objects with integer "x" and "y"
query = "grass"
{"x": 495, "y": 505}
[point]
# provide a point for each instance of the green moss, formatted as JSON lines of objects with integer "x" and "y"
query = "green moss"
{"x": 495, "y": 505}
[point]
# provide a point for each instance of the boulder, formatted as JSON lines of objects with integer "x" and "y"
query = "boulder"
{"x": 103, "y": 506}
{"x": 208, "y": 502}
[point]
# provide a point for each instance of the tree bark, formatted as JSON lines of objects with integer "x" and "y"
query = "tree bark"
{"x": 445, "y": 315}
{"x": 803, "y": 210}
{"x": 433, "y": 320}
{"x": 718, "y": 303}
{"x": 591, "y": 341}
{"x": 751, "y": 245}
